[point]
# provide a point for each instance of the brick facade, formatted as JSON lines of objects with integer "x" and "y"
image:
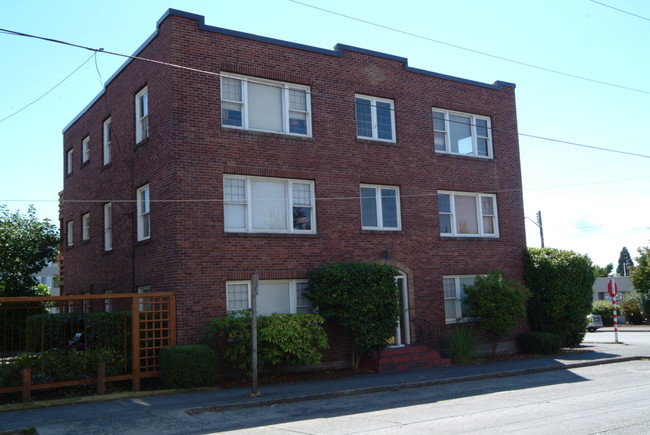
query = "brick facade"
{"x": 188, "y": 152}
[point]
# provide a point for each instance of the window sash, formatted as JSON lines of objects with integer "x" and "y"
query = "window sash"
{"x": 375, "y": 118}
{"x": 143, "y": 212}
{"x": 107, "y": 141}
{"x": 142, "y": 115}
{"x": 265, "y": 105}
{"x": 108, "y": 227}
{"x": 70, "y": 161}
{"x": 462, "y": 133}
{"x": 464, "y": 214}
{"x": 85, "y": 226}
{"x": 454, "y": 294}
{"x": 380, "y": 207}
{"x": 275, "y": 296}
{"x": 85, "y": 149}
{"x": 268, "y": 205}
{"x": 70, "y": 233}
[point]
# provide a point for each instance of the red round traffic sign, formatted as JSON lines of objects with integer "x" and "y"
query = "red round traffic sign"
{"x": 612, "y": 288}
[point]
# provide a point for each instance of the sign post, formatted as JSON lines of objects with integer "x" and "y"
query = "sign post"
{"x": 612, "y": 289}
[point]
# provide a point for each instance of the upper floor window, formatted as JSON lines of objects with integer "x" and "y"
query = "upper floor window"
{"x": 69, "y": 161}
{"x": 286, "y": 296}
{"x": 454, "y": 289}
{"x": 269, "y": 205}
{"x": 85, "y": 150}
{"x": 85, "y": 226}
{"x": 107, "y": 141}
{"x": 265, "y": 105}
{"x": 468, "y": 214}
{"x": 462, "y": 133}
{"x": 142, "y": 115}
{"x": 375, "y": 118}
{"x": 380, "y": 207}
{"x": 108, "y": 226}
{"x": 144, "y": 212}
{"x": 69, "y": 234}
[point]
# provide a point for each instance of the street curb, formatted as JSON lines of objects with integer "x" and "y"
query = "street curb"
{"x": 257, "y": 402}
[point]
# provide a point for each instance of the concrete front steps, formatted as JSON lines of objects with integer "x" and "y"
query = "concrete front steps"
{"x": 404, "y": 358}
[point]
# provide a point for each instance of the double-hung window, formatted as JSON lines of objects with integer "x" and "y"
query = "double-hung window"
{"x": 69, "y": 161}
{"x": 462, "y": 133}
{"x": 375, "y": 118}
{"x": 85, "y": 150}
{"x": 85, "y": 227}
{"x": 468, "y": 214}
{"x": 380, "y": 207}
{"x": 69, "y": 234}
{"x": 142, "y": 115}
{"x": 454, "y": 289}
{"x": 108, "y": 226}
{"x": 265, "y": 105}
{"x": 268, "y": 205}
{"x": 107, "y": 141}
{"x": 285, "y": 296}
{"x": 144, "y": 213}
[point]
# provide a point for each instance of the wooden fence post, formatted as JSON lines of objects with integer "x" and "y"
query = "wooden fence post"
{"x": 27, "y": 384}
{"x": 135, "y": 340}
{"x": 101, "y": 377}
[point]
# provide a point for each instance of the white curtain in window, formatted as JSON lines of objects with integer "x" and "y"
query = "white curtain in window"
{"x": 264, "y": 107}
{"x": 269, "y": 205}
{"x": 273, "y": 298}
{"x": 466, "y": 217}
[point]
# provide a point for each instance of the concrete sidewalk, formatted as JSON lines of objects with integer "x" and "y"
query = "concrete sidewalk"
{"x": 165, "y": 411}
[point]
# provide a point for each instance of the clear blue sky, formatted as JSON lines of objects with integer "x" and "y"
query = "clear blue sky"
{"x": 593, "y": 202}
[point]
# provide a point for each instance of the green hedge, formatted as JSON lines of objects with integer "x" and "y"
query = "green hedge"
{"x": 540, "y": 342}
{"x": 101, "y": 331}
{"x": 188, "y": 366}
{"x": 604, "y": 310}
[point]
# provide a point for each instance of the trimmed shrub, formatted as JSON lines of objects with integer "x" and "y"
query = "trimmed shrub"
{"x": 461, "y": 344}
{"x": 540, "y": 342}
{"x": 604, "y": 310}
{"x": 561, "y": 283}
{"x": 632, "y": 309}
{"x": 362, "y": 297}
{"x": 283, "y": 340}
{"x": 188, "y": 366}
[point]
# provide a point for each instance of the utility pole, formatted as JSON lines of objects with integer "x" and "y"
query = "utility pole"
{"x": 541, "y": 228}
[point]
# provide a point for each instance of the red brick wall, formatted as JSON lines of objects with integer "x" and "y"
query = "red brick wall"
{"x": 188, "y": 152}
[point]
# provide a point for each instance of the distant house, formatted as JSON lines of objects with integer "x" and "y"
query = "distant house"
{"x": 263, "y": 155}
{"x": 49, "y": 276}
{"x": 623, "y": 283}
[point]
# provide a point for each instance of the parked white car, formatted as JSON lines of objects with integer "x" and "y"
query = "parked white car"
{"x": 594, "y": 321}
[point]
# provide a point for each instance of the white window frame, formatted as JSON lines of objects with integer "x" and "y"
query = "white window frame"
{"x": 108, "y": 303}
{"x": 459, "y": 294}
{"x": 107, "y": 133}
{"x": 85, "y": 227}
{"x": 142, "y": 115}
{"x": 69, "y": 235}
{"x": 379, "y": 207}
{"x": 480, "y": 214}
{"x": 286, "y": 103}
{"x": 373, "y": 116}
{"x": 69, "y": 161}
{"x": 289, "y": 200}
{"x": 475, "y": 128}
{"x": 108, "y": 226}
{"x": 143, "y": 205}
{"x": 294, "y": 285}
{"x": 85, "y": 150}
{"x": 144, "y": 306}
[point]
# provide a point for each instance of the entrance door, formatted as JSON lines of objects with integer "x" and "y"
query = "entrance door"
{"x": 403, "y": 330}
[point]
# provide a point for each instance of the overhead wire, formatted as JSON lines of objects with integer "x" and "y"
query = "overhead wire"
{"x": 620, "y": 10}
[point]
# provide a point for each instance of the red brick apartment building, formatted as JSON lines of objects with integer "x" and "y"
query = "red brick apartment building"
{"x": 271, "y": 156}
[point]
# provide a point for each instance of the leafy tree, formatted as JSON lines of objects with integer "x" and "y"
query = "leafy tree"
{"x": 26, "y": 246}
{"x": 625, "y": 263}
{"x": 362, "y": 297}
{"x": 632, "y": 309}
{"x": 603, "y": 272}
{"x": 561, "y": 283}
{"x": 497, "y": 304}
{"x": 640, "y": 275}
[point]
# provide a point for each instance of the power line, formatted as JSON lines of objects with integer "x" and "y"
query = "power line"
{"x": 620, "y": 10}
{"x": 218, "y": 74}
{"x": 51, "y": 89}
{"x": 494, "y": 56}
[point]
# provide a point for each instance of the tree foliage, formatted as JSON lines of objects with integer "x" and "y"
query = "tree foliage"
{"x": 27, "y": 245}
{"x": 625, "y": 263}
{"x": 603, "y": 272}
{"x": 561, "y": 283}
{"x": 497, "y": 304}
{"x": 632, "y": 308}
{"x": 640, "y": 275}
{"x": 362, "y": 297}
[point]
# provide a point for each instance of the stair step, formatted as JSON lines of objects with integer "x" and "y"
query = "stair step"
{"x": 405, "y": 358}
